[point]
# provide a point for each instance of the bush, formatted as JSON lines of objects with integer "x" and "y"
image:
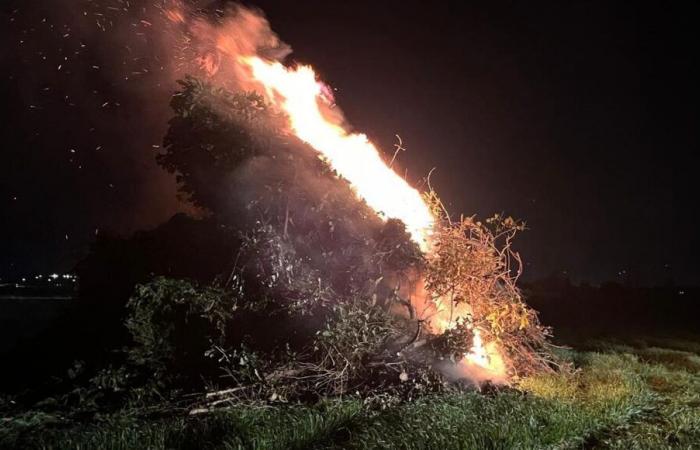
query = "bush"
{"x": 174, "y": 322}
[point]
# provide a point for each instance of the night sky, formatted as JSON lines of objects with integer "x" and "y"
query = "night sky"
{"x": 573, "y": 116}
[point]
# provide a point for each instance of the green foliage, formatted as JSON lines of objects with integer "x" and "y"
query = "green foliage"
{"x": 282, "y": 280}
{"x": 351, "y": 320}
{"x": 452, "y": 342}
{"x": 173, "y": 322}
{"x": 357, "y": 331}
{"x": 242, "y": 365}
{"x": 395, "y": 251}
{"x": 213, "y": 131}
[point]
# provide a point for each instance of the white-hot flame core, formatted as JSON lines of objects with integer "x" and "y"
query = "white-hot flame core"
{"x": 352, "y": 155}
{"x": 486, "y": 356}
{"x": 477, "y": 354}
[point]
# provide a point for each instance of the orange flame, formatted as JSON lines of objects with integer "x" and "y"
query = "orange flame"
{"x": 485, "y": 358}
{"x": 352, "y": 155}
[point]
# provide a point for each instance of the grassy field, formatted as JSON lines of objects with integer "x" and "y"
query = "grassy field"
{"x": 625, "y": 394}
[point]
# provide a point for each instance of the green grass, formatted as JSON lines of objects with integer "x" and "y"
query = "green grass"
{"x": 637, "y": 394}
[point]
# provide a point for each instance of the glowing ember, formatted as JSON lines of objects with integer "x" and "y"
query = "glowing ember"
{"x": 175, "y": 15}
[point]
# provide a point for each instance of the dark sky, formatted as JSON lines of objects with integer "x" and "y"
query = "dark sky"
{"x": 573, "y": 116}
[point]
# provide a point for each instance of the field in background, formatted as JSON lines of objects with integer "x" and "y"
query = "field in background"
{"x": 639, "y": 393}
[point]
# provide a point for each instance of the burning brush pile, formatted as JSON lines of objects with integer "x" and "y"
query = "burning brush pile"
{"x": 346, "y": 279}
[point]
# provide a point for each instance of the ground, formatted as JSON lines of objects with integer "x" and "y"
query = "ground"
{"x": 626, "y": 393}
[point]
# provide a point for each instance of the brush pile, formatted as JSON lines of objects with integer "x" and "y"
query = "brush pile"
{"x": 322, "y": 297}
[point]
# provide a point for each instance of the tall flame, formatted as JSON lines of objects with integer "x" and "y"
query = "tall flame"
{"x": 352, "y": 155}
{"x": 299, "y": 93}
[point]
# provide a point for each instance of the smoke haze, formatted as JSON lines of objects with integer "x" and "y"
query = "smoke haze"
{"x": 90, "y": 85}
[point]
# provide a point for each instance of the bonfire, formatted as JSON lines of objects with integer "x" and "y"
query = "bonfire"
{"x": 401, "y": 292}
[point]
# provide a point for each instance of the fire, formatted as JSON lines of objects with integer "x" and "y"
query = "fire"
{"x": 484, "y": 357}
{"x": 306, "y": 101}
{"x": 478, "y": 354}
{"x": 487, "y": 357}
{"x": 298, "y": 92}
